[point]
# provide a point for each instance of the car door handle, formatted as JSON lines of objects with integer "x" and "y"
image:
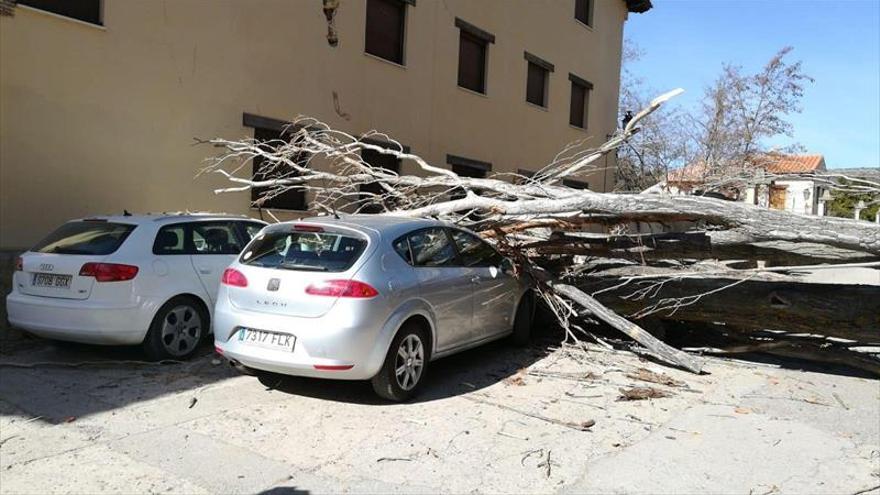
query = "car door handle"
{"x": 205, "y": 271}
{"x": 475, "y": 279}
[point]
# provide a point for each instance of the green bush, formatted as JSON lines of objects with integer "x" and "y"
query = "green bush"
{"x": 843, "y": 204}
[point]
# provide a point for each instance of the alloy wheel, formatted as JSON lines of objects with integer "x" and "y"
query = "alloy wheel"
{"x": 181, "y": 330}
{"x": 410, "y": 362}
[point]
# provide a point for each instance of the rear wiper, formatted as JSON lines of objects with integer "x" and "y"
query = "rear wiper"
{"x": 295, "y": 266}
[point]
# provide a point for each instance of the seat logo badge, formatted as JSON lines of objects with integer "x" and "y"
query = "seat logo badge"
{"x": 273, "y": 304}
{"x": 47, "y": 267}
{"x": 274, "y": 283}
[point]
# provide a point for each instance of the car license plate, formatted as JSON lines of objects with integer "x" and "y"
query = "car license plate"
{"x": 52, "y": 280}
{"x": 270, "y": 340}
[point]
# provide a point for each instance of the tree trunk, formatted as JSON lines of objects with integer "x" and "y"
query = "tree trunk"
{"x": 843, "y": 311}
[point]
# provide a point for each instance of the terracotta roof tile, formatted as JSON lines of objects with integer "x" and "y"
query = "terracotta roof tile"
{"x": 695, "y": 172}
{"x": 778, "y": 163}
{"x": 773, "y": 163}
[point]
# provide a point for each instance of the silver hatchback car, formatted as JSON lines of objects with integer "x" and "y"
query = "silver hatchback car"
{"x": 366, "y": 297}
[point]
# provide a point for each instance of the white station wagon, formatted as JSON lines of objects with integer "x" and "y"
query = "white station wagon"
{"x": 144, "y": 279}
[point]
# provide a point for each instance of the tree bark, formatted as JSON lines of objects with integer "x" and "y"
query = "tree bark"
{"x": 843, "y": 311}
{"x": 692, "y": 246}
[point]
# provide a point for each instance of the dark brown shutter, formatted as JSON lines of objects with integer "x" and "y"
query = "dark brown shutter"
{"x": 377, "y": 160}
{"x": 84, "y": 10}
{"x": 536, "y": 79}
{"x": 575, "y": 184}
{"x": 288, "y": 200}
{"x": 385, "y": 27}
{"x": 578, "y": 105}
{"x": 466, "y": 167}
{"x": 583, "y": 10}
{"x": 578, "y": 99}
{"x": 472, "y": 62}
{"x": 466, "y": 171}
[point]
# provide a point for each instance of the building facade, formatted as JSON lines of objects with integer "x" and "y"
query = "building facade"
{"x": 100, "y": 99}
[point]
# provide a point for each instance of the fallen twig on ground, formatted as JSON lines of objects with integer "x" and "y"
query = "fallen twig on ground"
{"x": 582, "y": 426}
{"x": 651, "y": 377}
{"x": 642, "y": 393}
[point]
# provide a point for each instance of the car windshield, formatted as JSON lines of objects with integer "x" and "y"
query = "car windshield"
{"x": 90, "y": 237}
{"x": 305, "y": 251}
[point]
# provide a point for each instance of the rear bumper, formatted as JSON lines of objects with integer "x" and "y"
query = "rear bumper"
{"x": 323, "y": 342}
{"x": 81, "y": 321}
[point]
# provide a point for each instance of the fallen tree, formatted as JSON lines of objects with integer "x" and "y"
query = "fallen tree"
{"x": 536, "y": 220}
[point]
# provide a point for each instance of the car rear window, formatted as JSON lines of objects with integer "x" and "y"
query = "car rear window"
{"x": 304, "y": 251}
{"x": 95, "y": 238}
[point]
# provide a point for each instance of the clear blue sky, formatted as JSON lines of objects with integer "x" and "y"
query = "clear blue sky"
{"x": 684, "y": 43}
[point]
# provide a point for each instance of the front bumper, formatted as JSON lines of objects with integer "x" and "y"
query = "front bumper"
{"x": 82, "y": 321}
{"x": 333, "y": 341}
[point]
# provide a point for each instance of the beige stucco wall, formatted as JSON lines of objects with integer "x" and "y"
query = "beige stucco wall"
{"x": 94, "y": 120}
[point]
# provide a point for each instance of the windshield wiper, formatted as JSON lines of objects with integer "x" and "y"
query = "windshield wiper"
{"x": 296, "y": 266}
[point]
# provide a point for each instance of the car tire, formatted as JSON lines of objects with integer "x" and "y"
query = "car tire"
{"x": 410, "y": 346}
{"x": 522, "y": 322}
{"x": 178, "y": 328}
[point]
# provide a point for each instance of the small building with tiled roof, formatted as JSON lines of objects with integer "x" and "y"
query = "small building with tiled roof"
{"x": 788, "y": 185}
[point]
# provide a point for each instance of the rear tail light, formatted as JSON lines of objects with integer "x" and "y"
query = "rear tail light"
{"x": 108, "y": 272}
{"x": 342, "y": 288}
{"x": 19, "y": 264}
{"x": 233, "y": 277}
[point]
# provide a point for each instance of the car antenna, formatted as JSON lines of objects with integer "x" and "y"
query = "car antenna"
{"x": 335, "y": 215}
{"x": 125, "y": 213}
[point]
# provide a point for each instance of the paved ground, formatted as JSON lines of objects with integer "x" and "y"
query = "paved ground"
{"x": 199, "y": 427}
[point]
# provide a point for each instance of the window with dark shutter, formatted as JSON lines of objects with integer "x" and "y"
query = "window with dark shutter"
{"x": 575, "y": 184}
{"x": 83, "y": 10}
{"x": 536, "y": 85}
{"x": 537, "y": 74}
{"x": 263, "y": 170}
{"x": 580, "y": 101}
{"x": 578, "y": 105}
{"x": 369, "y": 191}
{"x": 466, "y": 167}
{"x": 472, "y": 63}
{"x": 469, "y": 171}
{"x": 583, "y": 11}
{"x": 523, "y": 176}
{"x": 473, "y": 47}
{"x": 385, "y": 29}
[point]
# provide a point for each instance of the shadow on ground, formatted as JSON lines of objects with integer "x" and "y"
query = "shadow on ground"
{"x": 284, "y": 490}
{"x": 470, "y": 370}
{"x": 58, "y": 381}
